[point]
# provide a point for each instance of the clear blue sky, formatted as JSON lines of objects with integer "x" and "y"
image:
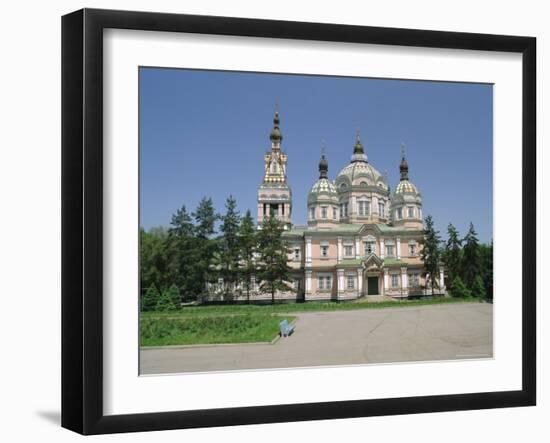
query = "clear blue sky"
{"x": 204, "y": 133}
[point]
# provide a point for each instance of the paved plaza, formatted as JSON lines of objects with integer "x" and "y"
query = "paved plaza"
{"x": 401, "y": 334}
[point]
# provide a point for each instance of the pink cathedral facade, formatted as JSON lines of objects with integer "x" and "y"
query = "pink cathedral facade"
{"x": 361, "y": 239}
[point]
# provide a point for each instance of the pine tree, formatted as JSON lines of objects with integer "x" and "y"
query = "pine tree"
{"x": 182, "y": 254}
{"x": 470, "y": 262}
{"x": 273, "y": 270}
{"x": 486, "y": 259}
{"x": 169, "y": 299}
{"x": 431, "y": 252}
{"x": 229, "y": 248}
{"x": 205, "y": 246}
{"x": 459, "y": 289}
{"x": 153, "y": 258}
{"x": 205, "y": 219}
{"x": 181, "y": 224}
{"x": 453, "y": 253}
{"x": 478, "y": 288}
{"x": 247, "y": 245}
{"x": 149, "y": 299}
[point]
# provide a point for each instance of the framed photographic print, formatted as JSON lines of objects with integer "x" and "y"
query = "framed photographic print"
{"x": 269, "y": 221}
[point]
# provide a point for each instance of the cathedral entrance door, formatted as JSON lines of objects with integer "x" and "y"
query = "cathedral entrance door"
{"x": 372, "y": 285}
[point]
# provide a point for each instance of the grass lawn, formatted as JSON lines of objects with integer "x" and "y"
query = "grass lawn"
{"x": 217, "y": 310}
{"x": 210, "y": 329}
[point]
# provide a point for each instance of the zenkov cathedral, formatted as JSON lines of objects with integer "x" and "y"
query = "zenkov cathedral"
{"x": 360, "y": 240}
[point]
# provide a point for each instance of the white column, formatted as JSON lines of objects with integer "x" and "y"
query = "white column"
{"x": 404, "y": 281}
{"x": 359, "y": 282}
{"x": 340, "y": 282}
{"x": 353, "y": 205}
{"x": 308, "y": 251}
{"x": 398, "y": 246}
{"x": 339, "y": 249}
{"x": 386, "y": 280}
{"x": 374, "y": 205}
{"x": 357, "y": 247}
{"x": 382, "y": 248}
{"x": 308, "y": 283}
{"x": 441, "y": 278}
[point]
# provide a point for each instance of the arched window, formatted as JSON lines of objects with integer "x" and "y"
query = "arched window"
{"x": 364, "y": 208}
{"x": 381, "y": 209}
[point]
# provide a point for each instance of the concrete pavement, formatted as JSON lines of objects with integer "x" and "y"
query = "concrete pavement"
{"x": 401, "y": 334}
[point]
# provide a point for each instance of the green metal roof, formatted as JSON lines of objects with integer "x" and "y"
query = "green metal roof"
{"x": 349, "y": 228}
{"x": 350, "y": 262}
{"x": 394, "y": 261}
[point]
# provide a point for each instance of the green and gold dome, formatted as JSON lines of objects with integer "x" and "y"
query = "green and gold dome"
{"x": 359, "y": 172}
{"x": 323, "y": 189}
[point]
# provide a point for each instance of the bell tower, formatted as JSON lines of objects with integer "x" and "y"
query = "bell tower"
{"x": 274, "y": 194}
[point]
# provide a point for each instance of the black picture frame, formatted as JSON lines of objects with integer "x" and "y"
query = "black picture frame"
{"x": 82, "y": 218}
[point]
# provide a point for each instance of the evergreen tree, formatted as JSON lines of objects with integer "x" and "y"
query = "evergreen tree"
{"x": 478, "y": 288}
{"x": 153, "y": 258}
{"x": 181, "y": 224}
{"x": 247, "y": 245}
{"x": 486, "y": 259}
{"x": 229, "y": 248}
{"x": 431, "y": 253}
{"x": 459, "y": 289}
{"x": 205, "y": 247}
{"x": 273, "y": 269}
{"x": 169, "y": 299}
{"x": 205, "y": 219}
{"x": 453, "y": 253}
{"x": 149, "y": 299}
{"x": 470, "y": 262}
{"x": 182, "y": 253}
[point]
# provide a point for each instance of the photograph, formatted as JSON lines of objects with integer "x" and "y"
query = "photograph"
{"x": 295, "y": 221}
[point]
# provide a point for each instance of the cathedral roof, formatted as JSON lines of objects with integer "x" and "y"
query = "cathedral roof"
{"x": 360, "y": 168}
{"x": 276, "y": 135}
{"x": 406, "y": 187}
{"x": 356, "y": 170}
{"x": 323, "y": 189}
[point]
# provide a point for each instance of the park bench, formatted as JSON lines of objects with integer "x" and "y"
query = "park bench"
{"x": 286, "y": 328}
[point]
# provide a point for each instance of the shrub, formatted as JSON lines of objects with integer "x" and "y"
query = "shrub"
{"x": 169, "y": 299}
{"x": 150, "y": 299}
{"x": 459, "y": 289}
{"x": 478, "y": 288}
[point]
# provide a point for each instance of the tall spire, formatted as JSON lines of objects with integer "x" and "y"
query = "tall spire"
{"x": 403, "y": 166}
{"x": 323, "y": 165}
{"x": 276, "y": 136}
{"x": 358, "y": 152}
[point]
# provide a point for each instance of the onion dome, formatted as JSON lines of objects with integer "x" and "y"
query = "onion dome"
{"x": 360, "y": 171}
{"x": 276, "y": 135}
{"x": 358, "y": 152}
{"x": 323, "y": 189}
{"x": 323, "y": 167}
{"x": 405, "y": 186}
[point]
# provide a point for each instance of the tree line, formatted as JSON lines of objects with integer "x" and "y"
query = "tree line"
{"x": 183, "y": 262}
{"x": 202, "y": 248}
{"x": 469, "y": 263}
